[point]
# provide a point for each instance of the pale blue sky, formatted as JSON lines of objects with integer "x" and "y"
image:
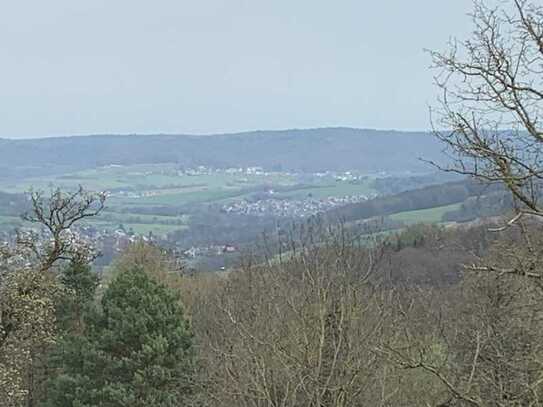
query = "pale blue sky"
{"x": 203, "y": 66}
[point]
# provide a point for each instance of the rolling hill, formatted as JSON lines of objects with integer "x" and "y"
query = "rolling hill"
{"x": 336, "y": 149}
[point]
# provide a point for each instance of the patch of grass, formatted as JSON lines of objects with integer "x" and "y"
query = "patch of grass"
{"x": 337, "y": 189}
{"x": 190, "y": 197}
{"x": 430, "y": 215}
{"x": 142, "y": 218}
{"x": 139, "y": 228}
{"x": 157, "y": 229}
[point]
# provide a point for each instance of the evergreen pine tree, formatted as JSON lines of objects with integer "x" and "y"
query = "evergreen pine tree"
{"x": 135, "y": 351}
{"x": 80, "y": 284}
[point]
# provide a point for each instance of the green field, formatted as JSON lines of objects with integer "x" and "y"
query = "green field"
{"x": 157, "y": 229}
{"x": 121, "y": 217}
{"x": 336, "y": 189}
{"x": 133, "y": 189}
{"x": 141, "y": 188}
{"x": 192, "y": 197}
{"x": 136, "y": 187}
{"x": 430, "y": 215}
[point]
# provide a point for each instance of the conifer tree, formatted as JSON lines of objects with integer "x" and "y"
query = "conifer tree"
{"x": 135, "y": 351}
{"x": 80, "y": 283}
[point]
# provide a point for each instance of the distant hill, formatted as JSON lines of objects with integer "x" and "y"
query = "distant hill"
{"x": 299, "y": 150}
{"x": 424, "y": 198}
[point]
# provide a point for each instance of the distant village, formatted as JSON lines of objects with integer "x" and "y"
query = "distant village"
{"x": 109, "y": 243}
{"x": 270, "y": 202}
{"x": 291, "y": 208}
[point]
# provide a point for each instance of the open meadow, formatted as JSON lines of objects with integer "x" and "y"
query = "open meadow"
{"x": 158, "y": 197}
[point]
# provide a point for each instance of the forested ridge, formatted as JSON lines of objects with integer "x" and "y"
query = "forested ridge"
{"x": 289, "y": 150}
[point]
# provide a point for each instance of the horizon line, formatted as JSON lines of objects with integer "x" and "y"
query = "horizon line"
{"x": 212, "y": 134}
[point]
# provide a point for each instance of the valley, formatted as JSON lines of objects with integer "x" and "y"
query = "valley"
{"x": 208, "y": 214}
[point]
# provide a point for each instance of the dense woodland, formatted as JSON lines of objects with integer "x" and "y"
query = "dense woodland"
{"x": 429, "y": 316}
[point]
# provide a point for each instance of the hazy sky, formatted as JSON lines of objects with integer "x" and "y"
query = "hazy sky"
{"x": 202, "y": 66}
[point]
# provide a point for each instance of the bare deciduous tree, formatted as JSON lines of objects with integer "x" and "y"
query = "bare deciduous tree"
{"x": 57, "y": 214}
{"x": 297, "y": 330}
{"x": 492, "y": 99}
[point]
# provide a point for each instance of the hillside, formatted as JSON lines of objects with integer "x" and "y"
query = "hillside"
{"x": 428, "y": 197}
{"x": 298, "y": 150}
